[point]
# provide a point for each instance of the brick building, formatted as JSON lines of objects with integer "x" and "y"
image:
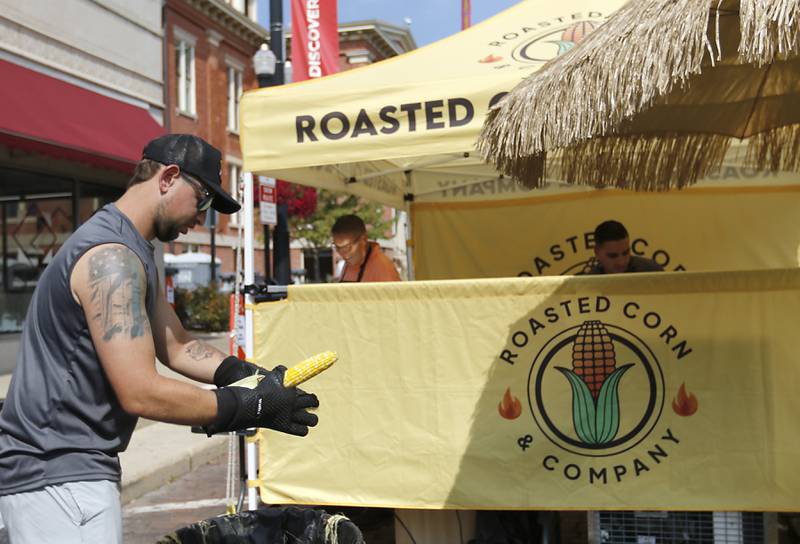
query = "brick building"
{"x": 218, "y": 60}
{"x": 82, "y": 93}
{"x": 209, "y": 45}
{"x": 366, "y": 42}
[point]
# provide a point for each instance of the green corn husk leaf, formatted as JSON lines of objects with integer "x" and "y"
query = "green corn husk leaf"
{"x": 583, "y": 410}
{"x": 607, "y": 423}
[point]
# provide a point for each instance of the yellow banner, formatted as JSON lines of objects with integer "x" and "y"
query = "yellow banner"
{"x": 640, "y": 391}
{"x": 714, "y": 226}
{"x": 406, "y": 124}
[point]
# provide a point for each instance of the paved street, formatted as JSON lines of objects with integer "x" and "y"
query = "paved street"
{"x": 195, "y": 496}
{"x": 200, "y": 493}
{"x": 206, "y": 483}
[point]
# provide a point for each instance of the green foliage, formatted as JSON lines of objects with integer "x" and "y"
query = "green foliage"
{"x": 315, "y": 230}
{"x": 203, "y": 308}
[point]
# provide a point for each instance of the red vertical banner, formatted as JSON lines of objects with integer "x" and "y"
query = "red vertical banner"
{"x": 237, "y": 326}
{"x": 315, "y": 39}
{"x": 169, "y": 290}
{"x": 466, "y": 16}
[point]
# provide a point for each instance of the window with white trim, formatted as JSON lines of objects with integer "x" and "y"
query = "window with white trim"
{"x": 185, "y": 74}
{"x": 247, "y": 7}
{"x": 234, "y": 220}
{"x": 234, "y": 94}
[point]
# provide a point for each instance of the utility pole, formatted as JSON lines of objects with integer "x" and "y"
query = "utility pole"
{"x": 283, "y": 263}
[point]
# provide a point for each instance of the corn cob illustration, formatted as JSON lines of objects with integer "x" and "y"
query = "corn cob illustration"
{"x": 593, "y": 355}
{"x": 594, "y": 378}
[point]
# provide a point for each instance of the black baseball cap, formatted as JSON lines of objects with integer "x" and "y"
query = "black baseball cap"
{"x": 196, "y": 157}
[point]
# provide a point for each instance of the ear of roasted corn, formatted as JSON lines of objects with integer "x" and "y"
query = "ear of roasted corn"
{"x": 309, "y": 368}
{"x": 299, "y": 373}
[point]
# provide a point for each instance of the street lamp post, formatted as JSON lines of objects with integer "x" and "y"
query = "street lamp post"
{"x": 269, "y": 68}
{"x": 269, "y": 71}
{"x": 264, "y": 63}
{"x": 281, "y": 238}
{"x": 276, "y": 38}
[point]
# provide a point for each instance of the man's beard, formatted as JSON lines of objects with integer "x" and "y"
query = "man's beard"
{"x": 166, "y": 229}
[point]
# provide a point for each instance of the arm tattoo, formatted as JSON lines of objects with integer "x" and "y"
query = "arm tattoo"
{"x": 117, "y": 292}
{"x": 199, "y": 351}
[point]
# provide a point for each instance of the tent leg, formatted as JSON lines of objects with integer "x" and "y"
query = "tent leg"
{"x": 251, "y": 452}
{"x": 409, "y": 232}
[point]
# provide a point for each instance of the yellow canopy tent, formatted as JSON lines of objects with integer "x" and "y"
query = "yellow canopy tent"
{"x": 406, "y": 127}
{"x": 402, "y": 132}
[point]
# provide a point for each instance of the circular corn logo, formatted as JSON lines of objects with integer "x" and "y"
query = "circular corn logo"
{"x": 583, "y": 267}
{"x": 595, "y": 389}
{"x": 554, "y": 41}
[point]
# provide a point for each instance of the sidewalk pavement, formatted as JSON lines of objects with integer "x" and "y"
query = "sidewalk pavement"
{"x": 161, "y": 452}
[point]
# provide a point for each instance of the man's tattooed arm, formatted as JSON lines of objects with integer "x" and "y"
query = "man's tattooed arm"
{"x": 117, "y": 289}
{"x": 198, "y": 351}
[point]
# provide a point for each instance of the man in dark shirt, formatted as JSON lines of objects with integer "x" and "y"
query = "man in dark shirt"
{"x": 612, "y": 251}
{"x": 86, "y": 367}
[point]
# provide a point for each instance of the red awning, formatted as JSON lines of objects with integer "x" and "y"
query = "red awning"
{"x": 43, "y": 114}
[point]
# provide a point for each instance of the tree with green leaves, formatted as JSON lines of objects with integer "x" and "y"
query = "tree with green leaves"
{"x": 314, "y": 231}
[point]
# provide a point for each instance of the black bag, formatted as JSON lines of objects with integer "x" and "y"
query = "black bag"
{"x": 269, "y": 525}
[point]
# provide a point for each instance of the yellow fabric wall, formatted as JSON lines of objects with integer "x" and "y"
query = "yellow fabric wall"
{"x": 456, "y": 394}
{"x": 700, "y": 229}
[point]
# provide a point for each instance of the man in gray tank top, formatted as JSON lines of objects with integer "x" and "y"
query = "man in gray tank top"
{"x": 86, "y": 366}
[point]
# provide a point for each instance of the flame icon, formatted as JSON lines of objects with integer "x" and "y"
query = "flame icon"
{"x": 685, "y": 404}
{"x": 490, "y": 58}
{"x": 510, "y": 407}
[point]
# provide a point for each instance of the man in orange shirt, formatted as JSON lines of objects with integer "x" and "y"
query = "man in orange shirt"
{"x": 364, "y": 260}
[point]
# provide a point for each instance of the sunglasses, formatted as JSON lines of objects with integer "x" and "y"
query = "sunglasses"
{"x": 204, "y": 196}
{"x": 346, "y": 246}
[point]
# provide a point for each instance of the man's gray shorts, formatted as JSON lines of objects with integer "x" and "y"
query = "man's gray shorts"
{"x": 74, "y": 512}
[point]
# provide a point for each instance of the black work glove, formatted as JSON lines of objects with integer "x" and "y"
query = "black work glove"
{"x": 269, "y": 405}
{"x": 232, "y": 369}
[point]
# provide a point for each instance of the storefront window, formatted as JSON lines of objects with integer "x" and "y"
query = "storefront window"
{"x": 36, "y": 218}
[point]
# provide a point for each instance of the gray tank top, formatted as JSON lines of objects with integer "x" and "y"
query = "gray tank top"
{"x": 61, "y": 420}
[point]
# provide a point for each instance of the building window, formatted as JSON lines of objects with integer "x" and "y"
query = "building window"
{"x": 234, "y": 94}
{"x": 185, "y": 74}
{"x": 233, "y": 176}
{"x": 246, "y": 7}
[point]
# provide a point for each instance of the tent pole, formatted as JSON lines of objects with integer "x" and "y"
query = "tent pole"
{"x": 249, "y": 279}
{"x": 409, "y": 200}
